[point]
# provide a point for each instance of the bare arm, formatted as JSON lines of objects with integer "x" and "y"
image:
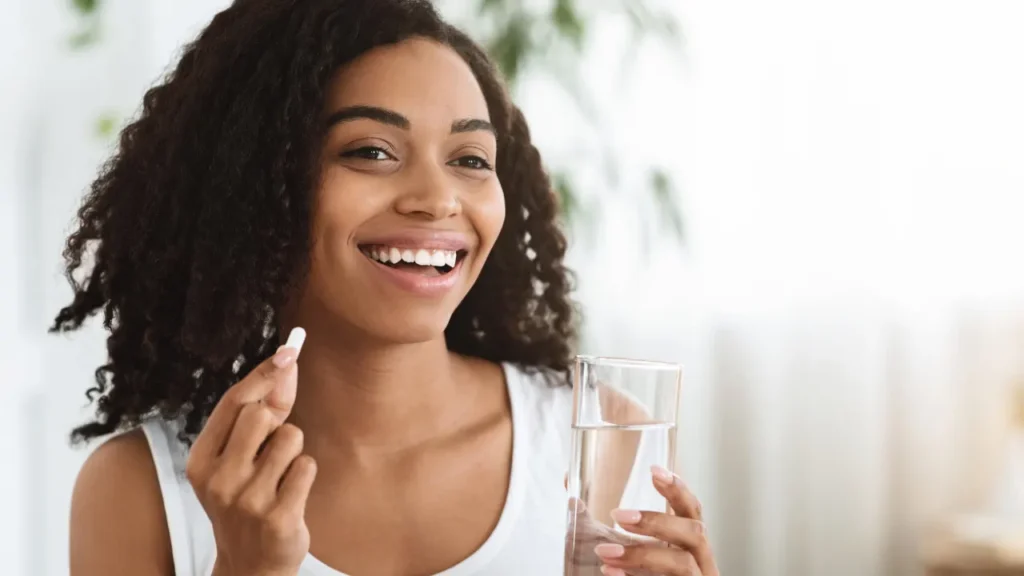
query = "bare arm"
{"x": 118, "y": 526}
{"x": 618, "y": 454}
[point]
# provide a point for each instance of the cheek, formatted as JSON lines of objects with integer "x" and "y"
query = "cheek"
{"x": 343, "y": 203}
{"x": 487, "y": 214}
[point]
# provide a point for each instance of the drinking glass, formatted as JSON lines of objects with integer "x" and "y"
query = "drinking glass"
{"x": 623, "y": 424}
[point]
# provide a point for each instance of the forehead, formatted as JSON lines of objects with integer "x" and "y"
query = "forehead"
{"x": 418, "y": 78}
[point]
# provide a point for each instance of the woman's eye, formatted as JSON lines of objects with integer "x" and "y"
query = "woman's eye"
{"x": 471, "y": 162}
{"x": 368, "y": 153}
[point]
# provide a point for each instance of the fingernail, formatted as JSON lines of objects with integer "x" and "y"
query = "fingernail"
{"x": 609, "y": 550}
{"x": 289, "y": 352}
{"x": 662, "y": 475}
{"x": 285, "y": 356}
{"x": 609, "y": 571}
{"x": 626, "y": 516}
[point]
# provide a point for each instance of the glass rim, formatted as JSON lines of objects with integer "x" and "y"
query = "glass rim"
{"x": 617, "y": 362}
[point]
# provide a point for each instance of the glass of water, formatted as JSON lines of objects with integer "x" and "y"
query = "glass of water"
{"x": 623, "y": 424}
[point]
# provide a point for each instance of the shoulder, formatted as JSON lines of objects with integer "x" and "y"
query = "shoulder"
{"x": 118, "y": 524}
{"x": 543, "y": 396}
{"x": 543, "y": 384}
{"x": 621, "y": 407}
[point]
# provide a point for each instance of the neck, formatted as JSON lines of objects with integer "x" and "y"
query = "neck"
{"x": 359, "y": 395}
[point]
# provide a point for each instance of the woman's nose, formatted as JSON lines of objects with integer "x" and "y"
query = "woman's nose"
{"x": 430, "y": 195}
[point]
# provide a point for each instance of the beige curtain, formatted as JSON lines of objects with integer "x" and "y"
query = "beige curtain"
{"x": 842, "y": 442}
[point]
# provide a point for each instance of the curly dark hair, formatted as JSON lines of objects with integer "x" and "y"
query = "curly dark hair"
{"x": 198, "y": 227}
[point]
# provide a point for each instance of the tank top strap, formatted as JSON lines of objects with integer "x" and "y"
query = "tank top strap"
{"x": 184, "y": 514}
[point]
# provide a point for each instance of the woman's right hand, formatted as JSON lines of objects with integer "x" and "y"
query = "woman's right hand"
{"x": 253, "y": 489}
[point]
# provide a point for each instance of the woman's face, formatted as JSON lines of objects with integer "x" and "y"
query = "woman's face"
{"x": 409, "y": 204}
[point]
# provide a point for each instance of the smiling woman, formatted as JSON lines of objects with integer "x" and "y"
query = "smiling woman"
{"x": 352, "y": 174}
{"x": 410, "y": 173}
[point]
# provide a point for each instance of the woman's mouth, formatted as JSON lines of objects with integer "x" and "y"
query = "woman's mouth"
{"x": 428, "y": 262}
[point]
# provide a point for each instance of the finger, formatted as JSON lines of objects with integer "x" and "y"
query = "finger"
{"x": 254, "y": 424}
{"x": 296, "y": 484}
{"x": 253, "y": 388}
{"x": 583, "y": 526}
{"x": 675, "y": 530}
{"x": 655, "y": 559}
{"x": 284, "y": 446}
{"x": 282, "y": 397}
{"x": 682, "y": 501}
{"x": 584, "y": 533}
{"x": 607, "y": 570}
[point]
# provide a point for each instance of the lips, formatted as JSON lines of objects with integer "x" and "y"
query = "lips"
{"x": 419, "y": 239}
{"x": 414, "y": 279}
{"x": 416, "y": 270}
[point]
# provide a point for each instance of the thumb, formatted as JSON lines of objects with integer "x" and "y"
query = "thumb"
{"x": 281, "y": 397}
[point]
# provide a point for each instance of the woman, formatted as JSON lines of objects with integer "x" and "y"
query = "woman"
{"x": 353, "y": 167}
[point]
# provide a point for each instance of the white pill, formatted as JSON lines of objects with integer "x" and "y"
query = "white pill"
{"x": 296, "y": 338}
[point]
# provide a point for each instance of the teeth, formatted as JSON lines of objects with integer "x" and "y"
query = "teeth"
{"x": 421, "y": 257}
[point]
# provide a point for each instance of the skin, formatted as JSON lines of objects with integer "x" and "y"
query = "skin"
{"x": 417, "y": 465}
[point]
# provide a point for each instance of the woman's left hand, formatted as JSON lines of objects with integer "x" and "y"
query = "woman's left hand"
{"x": 687, "y": 553}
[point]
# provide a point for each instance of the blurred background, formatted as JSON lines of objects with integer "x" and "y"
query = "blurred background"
{"x": 815, "y": 206}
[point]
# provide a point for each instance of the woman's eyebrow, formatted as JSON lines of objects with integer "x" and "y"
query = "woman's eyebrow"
{"x": 392, "y": 118}
{"x": 472, "y": 125}
{"x": 382, "y": 115}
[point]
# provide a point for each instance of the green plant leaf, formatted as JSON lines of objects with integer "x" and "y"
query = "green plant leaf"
{"x": 106, "y": 125}
{"x": 89, "y": 24}
{"x": 665, "y": 202}
{"x": 568, "y": 22}
{"x": 85, "y": 37}
{"x": 490, "y": 6}
{"x": 86, "y": 6}
{"x": 579, "y": 218}
{"x": 568, "y": 201}
{"x": 646, "y": 22}
{"x": 512, "y": 47}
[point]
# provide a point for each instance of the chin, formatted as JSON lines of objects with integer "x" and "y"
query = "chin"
{"x": 406, "y": 328}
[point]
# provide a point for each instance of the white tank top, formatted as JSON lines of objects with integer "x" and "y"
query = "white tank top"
{"x": 528, "y": 539}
